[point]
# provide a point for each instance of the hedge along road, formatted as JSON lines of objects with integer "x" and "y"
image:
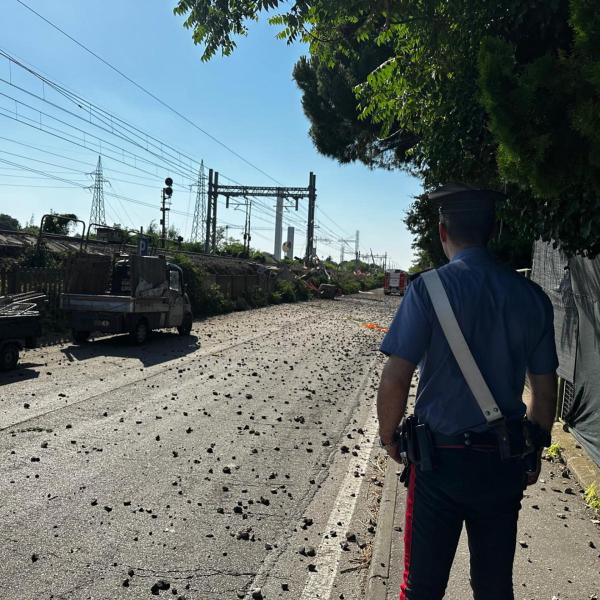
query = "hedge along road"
{"x": 192, "y": 466}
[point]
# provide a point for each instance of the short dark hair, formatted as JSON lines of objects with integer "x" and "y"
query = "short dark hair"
{"x": 469, "y": 227}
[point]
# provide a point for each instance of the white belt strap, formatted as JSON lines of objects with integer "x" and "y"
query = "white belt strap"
{"x": 460, "y": 349}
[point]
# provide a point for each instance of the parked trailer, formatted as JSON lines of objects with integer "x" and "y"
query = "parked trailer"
{"x": 395, "y": 281}
{"x": 19, "y": 326}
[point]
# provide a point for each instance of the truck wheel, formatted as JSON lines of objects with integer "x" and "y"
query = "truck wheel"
{"x": 80, "y": 337}
{"x": 139, "y": 334}
{"x": 9, "y": 357}
{"x": 186, "y": 325}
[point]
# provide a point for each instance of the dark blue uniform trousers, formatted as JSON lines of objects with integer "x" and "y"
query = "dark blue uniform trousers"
{"x": 471, "y": 486}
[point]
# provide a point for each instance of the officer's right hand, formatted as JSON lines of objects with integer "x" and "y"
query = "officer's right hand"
{"x": 532, "y": 476}
{"x": 393, "y": 452}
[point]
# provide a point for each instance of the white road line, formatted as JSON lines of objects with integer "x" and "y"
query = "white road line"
{"x": 320, "y": 583}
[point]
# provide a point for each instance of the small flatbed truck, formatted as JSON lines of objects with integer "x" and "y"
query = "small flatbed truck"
{"x": 125, "y": 294}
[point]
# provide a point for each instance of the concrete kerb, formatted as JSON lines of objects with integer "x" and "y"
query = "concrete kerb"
{"x": 584, "y": 469}
{"x": 379, "y": 569}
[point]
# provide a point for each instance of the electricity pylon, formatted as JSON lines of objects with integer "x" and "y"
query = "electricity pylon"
{"x": 199, "y": 207}
{"x": 97, "y": 213}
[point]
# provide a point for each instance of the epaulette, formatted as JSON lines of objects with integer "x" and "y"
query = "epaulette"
{"x": 414, "y": 276}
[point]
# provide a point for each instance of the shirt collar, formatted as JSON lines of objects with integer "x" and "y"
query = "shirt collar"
{"x": 475, "y": 253}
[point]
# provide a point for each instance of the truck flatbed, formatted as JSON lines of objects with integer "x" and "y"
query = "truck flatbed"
{"x": 107, "y": 303}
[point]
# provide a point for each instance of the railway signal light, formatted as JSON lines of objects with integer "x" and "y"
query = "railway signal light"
{"x": 168, "y": 190}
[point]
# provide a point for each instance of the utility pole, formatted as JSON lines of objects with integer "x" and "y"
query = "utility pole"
{"x": 208, "y": 212}
{"x": 356, "y": 250}
{"x": 167, "y": 192}
{"x": 97, "y": 213}
{"x": 278, "y": 226}
{"x": 200, "y": 206}
{"x": 214, "y": 210}
{"x": 247, "y": 236}
{"x": 290, "y": 242}
{"x": 310, "y": 228}
{"x": 343, "y": 248}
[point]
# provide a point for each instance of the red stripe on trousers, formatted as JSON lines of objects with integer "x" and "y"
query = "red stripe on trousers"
{"x": 410, "y": 502}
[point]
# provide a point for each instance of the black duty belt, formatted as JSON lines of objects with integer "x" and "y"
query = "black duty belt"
{"x": 467, "y": 439}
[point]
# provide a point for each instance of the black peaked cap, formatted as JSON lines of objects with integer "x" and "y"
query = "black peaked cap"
{"x": 459, "y": 198}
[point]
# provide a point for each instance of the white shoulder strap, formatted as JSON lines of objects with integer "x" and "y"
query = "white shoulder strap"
{"x": 459, "y": 347}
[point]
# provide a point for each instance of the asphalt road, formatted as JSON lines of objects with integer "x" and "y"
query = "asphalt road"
{"x": 210, "y": 466}
{"x": 238, "y": 462}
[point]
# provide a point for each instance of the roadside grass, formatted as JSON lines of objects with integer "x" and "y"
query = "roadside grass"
{"x": 554, "y": 452}
{"x": 592, "y": 497}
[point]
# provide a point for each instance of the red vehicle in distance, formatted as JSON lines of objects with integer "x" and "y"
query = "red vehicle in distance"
{"x": 395, "y": 281}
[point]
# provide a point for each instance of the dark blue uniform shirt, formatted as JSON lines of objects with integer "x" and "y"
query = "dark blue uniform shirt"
{"x": 507, "y": 322}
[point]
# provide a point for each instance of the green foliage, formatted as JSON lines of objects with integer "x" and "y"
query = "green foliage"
{"x": 346, "y": 282}
{"x": 242, "y": 304}
{"x": 9, "y": 223}
{"x": 286, "y": 290}
{"x": 206, "y": 298}
{"x": 554, "y": 452}
{"x": 503, "y": 95}
{"x": 329, "y": 102}
{"x": 197, "y": 247}
{"x": 258, "y": 298}
{"x": 348, "y": 286}
{"x": 214, "y": 301}
{"x": 592, "y": 497}
{"x": 372, "y": 281}
{"x": 422, "y": 221}
{"x": 275, "y": 298}
{"x": 421, "y": 262}
{"x": 233, "y": 248}
{"x": 545, "y": 115}
{"x": 301, "y": 290}
{"x": 257, "y": 256}
{"x": 34, "y": 256}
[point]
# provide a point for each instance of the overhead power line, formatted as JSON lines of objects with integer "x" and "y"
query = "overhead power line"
{"x": 105, "y": 121}
{"x": 157, "y": 178}
{"x": 147, "y": 92}
{"x": 112, "y": 125}
{"x": 75, "y": 184}
{"x": 183, "y": 169}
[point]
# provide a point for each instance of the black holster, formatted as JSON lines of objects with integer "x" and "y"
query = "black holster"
{"x": 516, "y": 439}
{"x": 415, "y": 444}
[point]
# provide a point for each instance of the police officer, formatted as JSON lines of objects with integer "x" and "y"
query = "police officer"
{"x": 507, "y": 322}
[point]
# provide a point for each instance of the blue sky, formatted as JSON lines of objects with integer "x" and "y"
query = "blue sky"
{"x": 249, "y": 101}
